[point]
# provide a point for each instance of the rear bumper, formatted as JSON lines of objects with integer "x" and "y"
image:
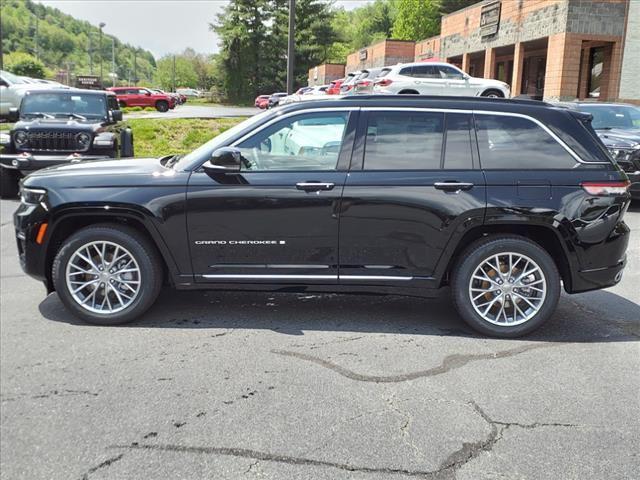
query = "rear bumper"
{"x": 30, "y": 163}
{"x": 587, "y": 280}
{"x": 634, "y": 178}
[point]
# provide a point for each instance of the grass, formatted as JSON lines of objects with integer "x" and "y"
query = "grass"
{"x": 157, "y": 137}
{"x": 6, "y": 126}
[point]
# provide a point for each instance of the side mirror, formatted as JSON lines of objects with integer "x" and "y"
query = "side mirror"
{"x": 116, "y": 115}
{"x": 13, "y": 115}
{"x": 224, "y": 160}
{"x": 148, "y": 94}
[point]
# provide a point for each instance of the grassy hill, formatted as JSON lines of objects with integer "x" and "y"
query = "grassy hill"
{"x": 60, "y": 41}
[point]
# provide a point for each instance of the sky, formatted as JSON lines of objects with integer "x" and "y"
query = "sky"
{"x": 161, "y": 26}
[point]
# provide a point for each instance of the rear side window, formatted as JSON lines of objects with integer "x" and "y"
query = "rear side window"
{"x": 404, "y": 141}
{"x": 425, "y": 71}
{"x": 508, "y": 142}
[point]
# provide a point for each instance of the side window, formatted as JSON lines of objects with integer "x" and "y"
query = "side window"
{"x": 310, "y": 141}
{"x": 449, "y": 72}
{"x": 404, "y": 141}
{"x": 513, "y": 142}
{"x": 425, "y": 71}
{"x": 406, "y": 71}
{"x": 457, "y": 151}
{"x": 112, "y": 103}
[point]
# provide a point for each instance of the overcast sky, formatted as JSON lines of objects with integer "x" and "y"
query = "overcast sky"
{"x": 161, "y": 26}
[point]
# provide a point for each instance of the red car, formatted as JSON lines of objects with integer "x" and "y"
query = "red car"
{"x": 334, "y": 87}
{"x": 262, "y": 101}
{"x": 143, "y": 97}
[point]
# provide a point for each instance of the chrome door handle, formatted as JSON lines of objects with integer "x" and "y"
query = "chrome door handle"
{"x": 314, "y": 186}
{"x": 453, "y": 186}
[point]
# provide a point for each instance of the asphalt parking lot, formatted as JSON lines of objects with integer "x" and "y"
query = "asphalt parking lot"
{"x": 276, "y": 386}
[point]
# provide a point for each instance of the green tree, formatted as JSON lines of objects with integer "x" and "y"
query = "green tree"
{"x": 24, "y": 64}
{"x": 185, "y": 74}
{"x": 417, "y": 19}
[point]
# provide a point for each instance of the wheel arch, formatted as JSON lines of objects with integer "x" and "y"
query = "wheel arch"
{"x": 545, "y": 236}
{"x": 408, "y": 91}
{"x": 69, "y": 222}
{"x": 486, "y": 92}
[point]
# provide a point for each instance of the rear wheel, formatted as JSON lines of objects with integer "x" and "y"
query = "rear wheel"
{"x": 9, "y": 183}
{"x": 162, "y": 106}
{"x": 107, "y": 274}
{"x": 122, "y": 104}
{"x": 408, "y": 92}
{"x": 505, "y": 286}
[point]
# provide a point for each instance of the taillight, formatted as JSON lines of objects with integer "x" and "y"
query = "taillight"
{"x": 385, "y": 82}
{"x": 364, "y": 83}
{"x": 602, "y": 189}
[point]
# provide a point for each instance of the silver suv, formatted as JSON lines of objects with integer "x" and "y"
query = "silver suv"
{"x": 435, "y": 78}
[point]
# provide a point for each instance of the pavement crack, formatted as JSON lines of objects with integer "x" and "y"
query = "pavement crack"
{"x": 273, "y": 457}
{"x": 449, "y": 363}
{"x": 107, "y": 463}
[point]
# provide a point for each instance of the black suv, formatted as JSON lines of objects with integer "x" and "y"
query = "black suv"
{"x": 500, "y": 199}
{"x": 58, "y": 126}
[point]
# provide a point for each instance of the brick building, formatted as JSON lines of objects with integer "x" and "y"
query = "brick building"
{"x": 325, "y": 73}
{"x": 551, "y": 49}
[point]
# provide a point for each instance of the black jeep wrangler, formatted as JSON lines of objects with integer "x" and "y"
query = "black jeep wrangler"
{"x": 61, "y": 126}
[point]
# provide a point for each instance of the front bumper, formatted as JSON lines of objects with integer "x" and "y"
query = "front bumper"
{"x": 27, "y": 220}
{"x": 26, "y": 163}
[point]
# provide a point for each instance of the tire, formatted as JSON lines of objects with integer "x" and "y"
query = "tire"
{"x": 408, "y": 92}
{"x": 126, "y": 143}
{"x": 122, "y": 104}
{"x": 162, "y": 106}
{"x": 145, "y": 259}
{"x": 9, "y": 183}
{"x": 493, "y": 94}
{"x": 113, "y": 153}
{"x": 466, "y": 286}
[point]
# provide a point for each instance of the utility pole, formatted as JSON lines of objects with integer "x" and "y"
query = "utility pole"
{"x": 1, "y": 51}
{"x": 35, "y": 39}
{"x": 102, "y": 24}
{"x": 291, "y": 47}
{"x": 113, "y": 62}
{"x": 135, "y": 67}
{"x": 173, "y": 75}
{"x": 90, "y": 54}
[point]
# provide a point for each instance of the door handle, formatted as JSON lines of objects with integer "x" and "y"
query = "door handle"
{"x": 453, "y": 186}
{"x": 314, "y": 186}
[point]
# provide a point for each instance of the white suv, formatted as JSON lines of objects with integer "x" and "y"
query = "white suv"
{"x": 432, "y": 78}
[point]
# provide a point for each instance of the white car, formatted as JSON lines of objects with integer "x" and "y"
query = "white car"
{"x": 433, "y": 78}
{"x": 189, "y": 92}
{"x": 13, "y": 88}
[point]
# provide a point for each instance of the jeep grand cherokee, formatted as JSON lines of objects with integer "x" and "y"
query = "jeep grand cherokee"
{"x": 502, "y": 200}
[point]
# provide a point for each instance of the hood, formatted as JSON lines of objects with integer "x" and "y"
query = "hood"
{"x": 620, "y": 138}
{"x": 64, "y": 124}
{"x": 102, "y": 168}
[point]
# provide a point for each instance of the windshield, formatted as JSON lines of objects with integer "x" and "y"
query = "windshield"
{"x": 64, "y": 104}
{"x": 624, "y": 117}
{"x": 203, "y": 153}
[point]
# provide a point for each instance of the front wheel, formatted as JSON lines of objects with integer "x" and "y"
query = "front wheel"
{"x": 162, "y": 106}
{"x": 107, "y": 274}
{"x": 493, "y": 94}
{"x": 505, "y": 286}
{"x": 9, "y": 183}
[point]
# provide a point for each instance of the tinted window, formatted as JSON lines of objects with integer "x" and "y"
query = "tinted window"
{"x": 514, "y": 142}
{"x": 425, "y": 71}
{"x": 306, "y": 142}
{"x": 457, "y": 153}
{"x": 112, "y": 103}
{"x": 403, "y": 141}
{"x": 449, "y": 72}
{"x": 406, "y": 71}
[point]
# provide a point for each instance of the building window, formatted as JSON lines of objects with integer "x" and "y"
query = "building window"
{"x": 596, "y": 66}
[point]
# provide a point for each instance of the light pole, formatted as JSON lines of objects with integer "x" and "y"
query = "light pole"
{"x": 102, "y": 24}
{"x": 291, "y": 46}
{"x": 113, "y": 62}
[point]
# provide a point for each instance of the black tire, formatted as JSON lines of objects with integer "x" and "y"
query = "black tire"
{"x": 126, "y": 143}
{"x": 113, "y": 153}
{"x": 145, "y": 254}
{"x": 408, "y": 92}
{"x": 493, "y": 93}
{"x": 474, "y": 255}
{"x": 122, "y": 104}
{"x": 162, "y": 106}
{"x": 9, "y": 183}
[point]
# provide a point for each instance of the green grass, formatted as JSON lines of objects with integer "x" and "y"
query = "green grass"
{"x": 6, "y": 126}
{"x": 138, "y": 109}
{"x": 157, "y": 137}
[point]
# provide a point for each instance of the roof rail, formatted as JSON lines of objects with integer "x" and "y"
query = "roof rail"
{"x": 409, "y": 98}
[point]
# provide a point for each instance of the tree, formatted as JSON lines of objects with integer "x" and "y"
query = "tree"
{"x": 416, "y": 19}
{"x": 185, "y": 76}
{"x": 24, "y": 64}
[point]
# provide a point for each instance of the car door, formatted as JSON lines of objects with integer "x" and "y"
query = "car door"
{"x": 414, "y": 188}
{"x": 277, "y": 220}
{"x": 428, "y": 80}
{"x": 455, "y": 82}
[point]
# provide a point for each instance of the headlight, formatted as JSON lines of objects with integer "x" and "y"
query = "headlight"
{"x": 21, "y": 138}
{"x": 84, "y": 140}
{"x": 5, "y": 139}
{"x": 103, "y": 140}
{"x": 32, "y": 196}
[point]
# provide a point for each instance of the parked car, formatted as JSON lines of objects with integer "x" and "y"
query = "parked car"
{"x": 435, "y": 78}
{"x": 176, "y": 96}
{"x": 13, "y": 88}
{"x": 364, "y": 83}
{"x": 189, "y": 92}
{"x": 143, "y": 97}
{"x": 274, "y": 99}
{"x": 261, "y": 101}
{"x": 317, "y": 90}
{"x": 58, "y": 126}
{"x": 334, "y": 87}
{"x": 303, "y": 90}
{"x": 618, "y": 126}
{"x": 350, "y": 81}
{"x": 504, "y": 201}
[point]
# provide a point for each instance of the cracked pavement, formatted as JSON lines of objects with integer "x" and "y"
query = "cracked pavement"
{"x": 279, "y": 386}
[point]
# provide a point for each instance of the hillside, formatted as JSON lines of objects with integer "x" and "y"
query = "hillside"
{"x": 59, "y": 40}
